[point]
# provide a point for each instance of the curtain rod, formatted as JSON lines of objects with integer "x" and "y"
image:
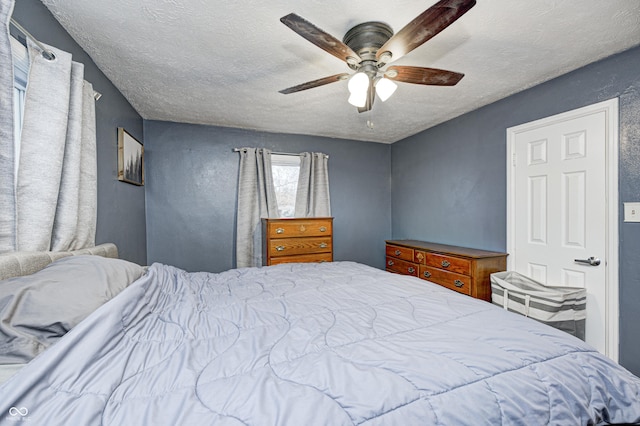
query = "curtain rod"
{"x": 276, "y": 153}
{"x": 46, "y": 53}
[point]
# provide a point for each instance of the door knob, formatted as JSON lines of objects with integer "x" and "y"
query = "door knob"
{"x": 593, "y": 261}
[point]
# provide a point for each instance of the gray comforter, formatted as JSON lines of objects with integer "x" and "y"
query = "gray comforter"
{"x": 313, "y": 344}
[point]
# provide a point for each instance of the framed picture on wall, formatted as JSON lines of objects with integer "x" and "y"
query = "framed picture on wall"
{"x": 130, "y": 158}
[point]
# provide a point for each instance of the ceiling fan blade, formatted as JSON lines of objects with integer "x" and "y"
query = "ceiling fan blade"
{"x": 419, "y": 75}
{"x": 424, "y": 27}
{"x": 315, "y": 83}
{"x": 320, "y": 38}
{"x": 371, "y": 96}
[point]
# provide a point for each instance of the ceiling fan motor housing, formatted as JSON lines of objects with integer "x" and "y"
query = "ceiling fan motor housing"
{"x": 365, "y": 39}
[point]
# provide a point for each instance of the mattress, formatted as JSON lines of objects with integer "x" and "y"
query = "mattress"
{"x": 314, "y": 344}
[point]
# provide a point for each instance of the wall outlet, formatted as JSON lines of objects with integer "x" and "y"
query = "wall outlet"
{"x": 632, "y": 212}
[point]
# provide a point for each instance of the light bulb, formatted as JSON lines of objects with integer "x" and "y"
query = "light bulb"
{"x": 385, "y": 88}
{"x": 358, "y": 83}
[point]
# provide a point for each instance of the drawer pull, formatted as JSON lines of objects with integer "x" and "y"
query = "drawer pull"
{"x": 390, "y": 262}
{"x": 323, "y": 245}
{"x": 427, "y": 274}
{"x": 397, "y": 252}
{"x": 411, "y": 269}
{"x": 458, "y": 283}
{"x": 279, "y": 231}
{"x": 279, "y": 248}
{"x": 323, "y": 229}
{"x": 445, "y": 264}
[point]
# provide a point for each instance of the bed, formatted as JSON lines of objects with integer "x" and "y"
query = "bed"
{"x": 299, "y": 344}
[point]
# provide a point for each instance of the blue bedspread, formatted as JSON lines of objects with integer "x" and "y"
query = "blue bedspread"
{"x": 313, "y": 344}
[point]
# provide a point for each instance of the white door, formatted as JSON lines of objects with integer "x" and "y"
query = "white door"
{"x": 559, "y": 210}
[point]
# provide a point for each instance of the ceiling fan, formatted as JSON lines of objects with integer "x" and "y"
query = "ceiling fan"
{"x": 368, "y": 47}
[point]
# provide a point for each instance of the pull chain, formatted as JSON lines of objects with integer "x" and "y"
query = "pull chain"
{"x": 370, "y": 124}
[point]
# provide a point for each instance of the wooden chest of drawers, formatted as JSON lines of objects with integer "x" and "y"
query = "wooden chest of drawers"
{"x": 297, "y": 240}
{"x": 464, "y": 270}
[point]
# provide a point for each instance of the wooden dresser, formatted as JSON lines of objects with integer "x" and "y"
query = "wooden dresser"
{"x": 464, "y": 270}
{"x": 297, "y": 240}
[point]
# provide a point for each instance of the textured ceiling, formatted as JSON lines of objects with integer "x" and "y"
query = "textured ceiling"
{"x": 222, "y": 62}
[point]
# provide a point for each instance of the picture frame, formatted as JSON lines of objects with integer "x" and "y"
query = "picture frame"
{"x": 130, "y": 158}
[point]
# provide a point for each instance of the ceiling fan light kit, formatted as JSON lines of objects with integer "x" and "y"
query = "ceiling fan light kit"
{"x": 358, "y": 88}
{"x": 358, "y": 100}
{"x": 385, "y": 88}
{"x": 358, "y": 82}
{"x": 368, "y": 47}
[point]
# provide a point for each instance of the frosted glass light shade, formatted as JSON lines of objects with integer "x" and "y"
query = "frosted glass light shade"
{"x": 358, "y": 88}
{"x": 358, "y": 99}
{"x": 358, "y": 83}
{"x": 385, "y": 88}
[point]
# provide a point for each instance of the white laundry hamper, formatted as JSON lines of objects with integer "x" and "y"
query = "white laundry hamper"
{"x": 563, "y": 308}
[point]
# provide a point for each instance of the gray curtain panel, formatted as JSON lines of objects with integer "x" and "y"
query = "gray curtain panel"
{"x": 74, "y": 226}
{"x": 56, "y": 185}
{"x": 312, "y": 197}
{"x": 256, "y": 200}
{"x": 7, "y": 158}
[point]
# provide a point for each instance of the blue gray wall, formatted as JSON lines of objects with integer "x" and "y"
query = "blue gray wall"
{"x": 121, "y": 216}
{"x": 191, "y": 186}
{"x": 449, "y": 182}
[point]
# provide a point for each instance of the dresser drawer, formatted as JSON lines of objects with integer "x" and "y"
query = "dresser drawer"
{"x": 458, "y": 282}
{"x": 306, "y": 239}
{"x": 295, "y": 246}
{"x": 448, "y": 263}
{"x": 299, "y": 228}
{"x": 404, "y": 253}
{"x": 401, "y": 266}
{"x": 303, "y": 258}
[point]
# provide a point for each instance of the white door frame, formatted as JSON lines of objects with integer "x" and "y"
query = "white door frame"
{"x": 612, "y": 303}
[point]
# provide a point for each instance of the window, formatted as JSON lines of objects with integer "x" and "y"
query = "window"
{"x": 20, "y": 77}
{"x": 285, "y": 170}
